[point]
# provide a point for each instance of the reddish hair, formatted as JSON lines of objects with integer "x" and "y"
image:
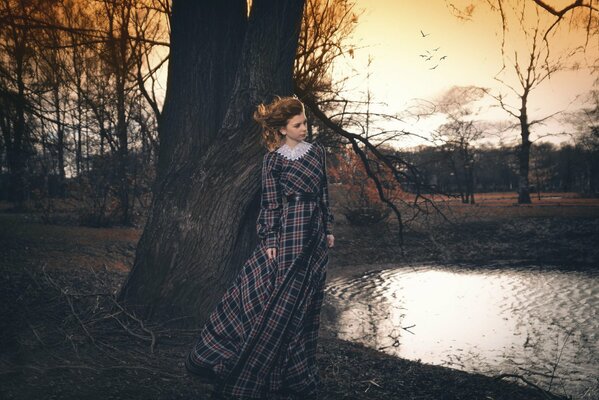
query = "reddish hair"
{"x": 274, "y": 116}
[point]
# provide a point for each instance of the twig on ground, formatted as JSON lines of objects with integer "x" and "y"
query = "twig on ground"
{"x": 545, "y": 393}
{"x": 115, "y": 302}
{"x": 152, "y": 338}
{"x": 407, "y": 328}
{"x": 559, "y": 356}
{"x": 70, "y": 302}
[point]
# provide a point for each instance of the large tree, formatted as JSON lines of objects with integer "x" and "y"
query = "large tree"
{"x": 223, "y": 62}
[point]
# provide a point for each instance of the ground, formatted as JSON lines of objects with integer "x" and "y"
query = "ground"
{"x": 560, "y": 230}
{"x": 65, "y": 337}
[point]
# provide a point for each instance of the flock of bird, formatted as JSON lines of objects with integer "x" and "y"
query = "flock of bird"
{"x": 431, "y": 55}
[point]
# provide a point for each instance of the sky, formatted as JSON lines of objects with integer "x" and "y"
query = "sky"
{"x": 395, "y": 33}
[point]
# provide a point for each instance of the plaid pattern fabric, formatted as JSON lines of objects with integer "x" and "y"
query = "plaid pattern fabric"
{"x": 260, "y": 340}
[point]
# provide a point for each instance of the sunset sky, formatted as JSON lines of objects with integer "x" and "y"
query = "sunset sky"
{"x": 389, "y": 31}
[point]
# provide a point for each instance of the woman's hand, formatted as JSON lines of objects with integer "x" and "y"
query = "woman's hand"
{"x": 330, "y": 240}
{"x": 271, "y": 253}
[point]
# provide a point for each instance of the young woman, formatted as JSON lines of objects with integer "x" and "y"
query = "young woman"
{"x": 260, "y": 341}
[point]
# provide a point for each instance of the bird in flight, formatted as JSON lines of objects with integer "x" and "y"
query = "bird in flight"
{"x": 424, "y": 34}
{"x": 443, "y": 58}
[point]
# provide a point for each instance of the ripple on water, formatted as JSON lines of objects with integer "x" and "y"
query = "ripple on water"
{"x": 483, "y": 320}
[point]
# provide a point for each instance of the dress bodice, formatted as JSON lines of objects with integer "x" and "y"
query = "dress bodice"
{"x": 300, "y": 169}
{"x": 286, "y": 171}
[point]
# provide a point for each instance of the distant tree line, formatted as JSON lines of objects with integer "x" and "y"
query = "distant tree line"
{"x": 553, "y": 168}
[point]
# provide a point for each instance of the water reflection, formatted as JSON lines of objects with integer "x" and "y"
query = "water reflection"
{"x": 493, "y": 320}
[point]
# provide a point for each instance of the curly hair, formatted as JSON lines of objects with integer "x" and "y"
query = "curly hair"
{"x": 274, "y": 116}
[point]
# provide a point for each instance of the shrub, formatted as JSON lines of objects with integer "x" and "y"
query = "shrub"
{"x": 361, "y": 204}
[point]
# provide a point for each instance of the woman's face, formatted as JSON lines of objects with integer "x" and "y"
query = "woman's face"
{"x": 296, "y": 128}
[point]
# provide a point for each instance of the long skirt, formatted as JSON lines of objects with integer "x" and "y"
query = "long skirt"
{"x": 260, "y": 340}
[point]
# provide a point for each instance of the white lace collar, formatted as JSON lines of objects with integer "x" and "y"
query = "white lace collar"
{"x": 298, "y": 151}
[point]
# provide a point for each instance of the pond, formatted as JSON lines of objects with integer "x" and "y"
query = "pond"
{"x": 541, "y": 323}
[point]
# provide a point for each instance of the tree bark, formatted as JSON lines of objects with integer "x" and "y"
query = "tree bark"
{"x": 524, "y": 155}
{"x": 202, "y": 224}
{"x": 17, "y": 157}
{"x": 60, "y": 142}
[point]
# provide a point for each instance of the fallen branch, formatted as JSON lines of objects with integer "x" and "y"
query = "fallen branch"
{"x": 152, "y": 338}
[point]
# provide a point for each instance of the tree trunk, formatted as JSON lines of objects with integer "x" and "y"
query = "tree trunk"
{"x": 470, "y": 172}
{"x": 458, "y": 180}
{"x": 119, "y": 56}
{"x": 18, "y": 155}
{"x": 79, "y": 148}
{"x": 123, "y": 153}
{"x": 60, "y": 143}
{"x": 79, "y": 116}
{"x": 202, "y": 224}
{"x": 524, "y": 156}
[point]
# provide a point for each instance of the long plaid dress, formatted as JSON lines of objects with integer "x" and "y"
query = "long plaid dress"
{"x": 260, "y": 341}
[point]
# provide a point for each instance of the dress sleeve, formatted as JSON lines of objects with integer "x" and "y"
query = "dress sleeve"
{"x": 269, "y": 219}
{"x": 328, "y": 215}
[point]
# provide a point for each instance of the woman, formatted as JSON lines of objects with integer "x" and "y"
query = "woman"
{"x": 260, "y": 341}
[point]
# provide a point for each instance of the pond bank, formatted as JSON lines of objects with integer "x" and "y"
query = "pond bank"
{"x": 554, "y": 240}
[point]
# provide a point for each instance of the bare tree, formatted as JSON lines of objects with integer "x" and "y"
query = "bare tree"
{"x": 53, "y": 91}
{"x": 122, "y": 73}
{"x": 151, "y": 25}
{"x": 530, "y": 74}
{"x": 531, "y": 58}
{"x": 585, "y": 15}
{"x": 458, "y": 135}
{"x": 531, "y": 64}
{"x": 326, "y": 27}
